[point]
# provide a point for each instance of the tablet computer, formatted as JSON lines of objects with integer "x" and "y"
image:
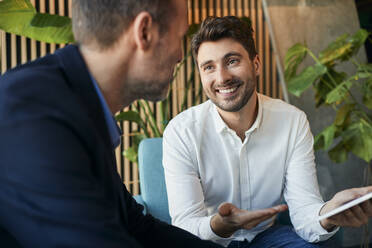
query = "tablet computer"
{"x": 345, "y": 206}
{"x": 338, "y": 210}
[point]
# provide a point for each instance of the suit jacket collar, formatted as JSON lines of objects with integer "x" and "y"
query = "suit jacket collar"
{"x": 79, "y": 80}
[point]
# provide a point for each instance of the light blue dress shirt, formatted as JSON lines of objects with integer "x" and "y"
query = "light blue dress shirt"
{"x": 113, "y": 129}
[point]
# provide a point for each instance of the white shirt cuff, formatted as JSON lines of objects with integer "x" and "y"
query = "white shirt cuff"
{"x": 207, "y": 232}
{"x": 323, "y": 233}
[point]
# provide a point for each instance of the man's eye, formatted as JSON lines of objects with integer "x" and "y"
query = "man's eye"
{"x": 232, "y": 61}
{"x": 208, "y": 67}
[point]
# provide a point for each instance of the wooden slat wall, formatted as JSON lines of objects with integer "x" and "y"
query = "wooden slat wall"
{"x": 15, "y": 50}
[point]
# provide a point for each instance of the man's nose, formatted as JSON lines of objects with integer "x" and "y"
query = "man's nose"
{"x": 222, "y": 75}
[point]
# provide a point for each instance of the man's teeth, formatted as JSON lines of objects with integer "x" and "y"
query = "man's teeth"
{"x": 227, "y": 90}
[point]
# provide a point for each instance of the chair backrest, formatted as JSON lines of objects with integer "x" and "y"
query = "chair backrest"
{"x": 151, "y": 172}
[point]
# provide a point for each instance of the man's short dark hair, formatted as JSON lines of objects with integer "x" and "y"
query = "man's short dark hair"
{"x": 216, "y": 28}
{"x": 105, "y": 20}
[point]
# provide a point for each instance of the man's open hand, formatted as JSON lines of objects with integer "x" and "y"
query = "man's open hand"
{"x": 352, "y": 217}
{"x": 229, "y": 218}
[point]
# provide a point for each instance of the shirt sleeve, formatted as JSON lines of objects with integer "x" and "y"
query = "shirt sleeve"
{"x": 301, "y": 190}
{"x": 184, "y": 189}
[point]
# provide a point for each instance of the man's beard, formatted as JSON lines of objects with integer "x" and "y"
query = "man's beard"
{"x": 152, "y": 91}
{"x": 243, "y": 101}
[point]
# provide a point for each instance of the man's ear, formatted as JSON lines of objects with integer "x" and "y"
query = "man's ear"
{"x": 143, "y": 30}
{"x": 257, "y": 65}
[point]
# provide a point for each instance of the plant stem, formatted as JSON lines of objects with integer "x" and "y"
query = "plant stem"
{"x": 188, "y": 84}
{"x": 318, "y": 62}
{"x": 142, "y": 124}
{"x": 153, "y": 123}
{"x": 164, "y": 113}
{"x": 327, "y": 84}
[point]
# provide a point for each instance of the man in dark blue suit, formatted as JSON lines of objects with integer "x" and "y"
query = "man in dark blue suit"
{"x": 58, "y": 181}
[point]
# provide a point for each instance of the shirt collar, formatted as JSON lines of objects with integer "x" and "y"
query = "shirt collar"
{"x": 221, "y": 125}
{"x": 113, "y": 128}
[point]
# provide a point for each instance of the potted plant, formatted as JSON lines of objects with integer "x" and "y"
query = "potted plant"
{"x": 349, "y": 95}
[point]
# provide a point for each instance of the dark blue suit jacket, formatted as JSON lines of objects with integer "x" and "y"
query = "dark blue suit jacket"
{"x": 58, "y": 181}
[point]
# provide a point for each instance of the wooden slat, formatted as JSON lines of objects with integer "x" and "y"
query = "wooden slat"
{"x": 190, "y": 12}
{"x": 231, "y": 8}
{"x": 196, "y": 11}
{"x": 274, "y": 76}
{"x": 13, "y": 51}
{"x": 23, "y": 50}
{"x": 52, "y": 10}
{"x": 33, "y": 42}
{"x": 211, "y": 8}
{"x": 43, "y": 50}
{"x": 219, "y": 8}
{"x": 226, "y": 7}
{"x": 2, "y": 52}
{"x": 268, "y": 89}
{"x": 260, "y": 43}
{"x": 61, "y": 11}
{"x": 204, "y": 9}
{"x": 240, "y": 8}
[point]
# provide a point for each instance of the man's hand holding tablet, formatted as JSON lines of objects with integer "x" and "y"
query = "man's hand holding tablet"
{"x": 351, "y": 215}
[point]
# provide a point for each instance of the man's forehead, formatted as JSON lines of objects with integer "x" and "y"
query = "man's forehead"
{"x": 214, "y": 50}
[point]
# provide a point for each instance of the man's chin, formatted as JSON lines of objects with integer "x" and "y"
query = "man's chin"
{"x": 158, "y": 96}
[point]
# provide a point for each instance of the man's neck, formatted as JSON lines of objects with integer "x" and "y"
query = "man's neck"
{"x": 243, "y": 119}
{"x": 108, "y": 74}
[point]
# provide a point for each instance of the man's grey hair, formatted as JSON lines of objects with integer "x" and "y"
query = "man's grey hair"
{"x": 105, "y": 20}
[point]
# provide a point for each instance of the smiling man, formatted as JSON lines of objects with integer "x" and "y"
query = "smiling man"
{"x": 58, "y": 175}
{"x": 238, "y": 154}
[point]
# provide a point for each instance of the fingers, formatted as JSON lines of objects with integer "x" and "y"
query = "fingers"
{"x": 360, "y": 217}
{"x": 252, "y": 218}
{"x": 367, "y": 207}
{"x": 367, "y": 189}
{"x": 259, "y": 216}
{"x": 225, "y": 209}
{"x": 231, "y": 218}
{"x": 353, "y": 217}
{"x": 281, "y": 208}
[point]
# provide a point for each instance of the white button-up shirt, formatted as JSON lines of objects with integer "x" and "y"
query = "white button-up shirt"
{"x": 206, "y": 164}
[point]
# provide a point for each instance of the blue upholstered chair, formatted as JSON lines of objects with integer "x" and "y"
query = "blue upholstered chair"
{"x": 153, "y": 192}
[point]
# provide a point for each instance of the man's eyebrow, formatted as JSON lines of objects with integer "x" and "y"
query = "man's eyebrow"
{"x": 231, "y": 54}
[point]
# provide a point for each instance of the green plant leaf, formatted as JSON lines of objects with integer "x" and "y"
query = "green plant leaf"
{"x": 343, "y": 113}
{"x": 358, "y": 39}
{"x": 326, "y": 84}
{"x": 193, "y": 28}
{"x": 138, "y": 138}
{"x": 293, "y": 58}
{"x": 343, "y": 47}
{"x": 298, "y": 84}
{"x": 340, "y": 92}
{"x": 129, "y": 116}
{"x": 20, "y": 17}
{"x": 324, "y": 139}
{"x": 338, "y": 154}
{"x": 358, "y": 138}
{"x": 335, "y": 50}
{"x": 131, "y": 154}
{"x": 365, "y": 68}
